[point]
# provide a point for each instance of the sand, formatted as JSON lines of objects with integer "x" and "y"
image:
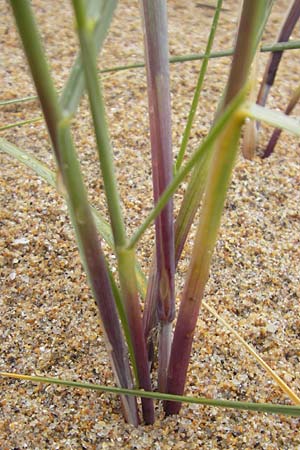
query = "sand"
{"x": 48, "y": 320}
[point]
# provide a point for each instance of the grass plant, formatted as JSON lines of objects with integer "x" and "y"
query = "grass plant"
{"x": 128, "y": 328}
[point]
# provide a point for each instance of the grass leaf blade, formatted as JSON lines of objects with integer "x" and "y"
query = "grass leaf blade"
{"x": 293, "y": 411}
{"x": 101, "y": 12}
{"x": 275, "y": 118}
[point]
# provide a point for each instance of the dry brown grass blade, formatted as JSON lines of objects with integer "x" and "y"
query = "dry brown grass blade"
{"x": 279, "y": 381}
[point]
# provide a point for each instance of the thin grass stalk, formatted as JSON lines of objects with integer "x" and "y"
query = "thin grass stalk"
{"x": 293, "y": 411}
{"x": 213, "y": 201}
{"x": 200, "y": 261}
{"x": 100, "y": 13}
{"x": 85, "y": 29}
{"x": 154, "y": 14}
{"x": 288, "y": 25}
{"x": 277, "y": 47}
{"x": 279, "y": 381}
{"x": 49, "y": 176}
{"x": 126, "y": 258}
{"x": 195, "y": 189}
{"x": 267, "y": 48}
{"x": 87, "y": 238}
{"x": 21, "y": 123}
{"x": 190, "y": 120}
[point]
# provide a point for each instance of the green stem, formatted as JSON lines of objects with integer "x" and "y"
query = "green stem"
{"x": 39, "y": 69}
{"x": 85, "y": 32}
{"x": 201, "y": 152}
{"x": 218, "y": 178}
{"x": 278, "y": 47}
{"x": 88, "y": 242}
{"x": 193, "y": 195}
{"x": 215, "y": 192}
{"x": 197, "y": 92}
{"x": 22, "y": 122}
{"x": 101, "y": 13}
{"x": 126, "y": 259}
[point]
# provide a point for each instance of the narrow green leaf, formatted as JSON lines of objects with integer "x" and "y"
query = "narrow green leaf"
{"x": 275, "y": 118}
{"x": 293, "y": 411}
{"x": 100, "y": 12}
{"x": 293, "y": 44}
{"x": 51, "y": 178}
{"x": 13, "y": 101}
{"x": 21, "y": 123}
{"x": 277, "y": 47}
{"x": 197, "y": 91}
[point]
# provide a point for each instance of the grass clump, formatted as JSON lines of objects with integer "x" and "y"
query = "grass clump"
{"x": 134, "y": 335}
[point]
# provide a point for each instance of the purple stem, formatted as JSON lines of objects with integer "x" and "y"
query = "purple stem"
{"x": 157, "y": 65}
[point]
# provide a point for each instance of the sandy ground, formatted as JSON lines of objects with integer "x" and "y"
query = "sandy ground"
{"x": 48, "y": 321}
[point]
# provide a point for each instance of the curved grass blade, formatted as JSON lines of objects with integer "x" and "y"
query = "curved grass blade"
{"x": 51, "y": 178}
{"x": 293, "y": 411}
